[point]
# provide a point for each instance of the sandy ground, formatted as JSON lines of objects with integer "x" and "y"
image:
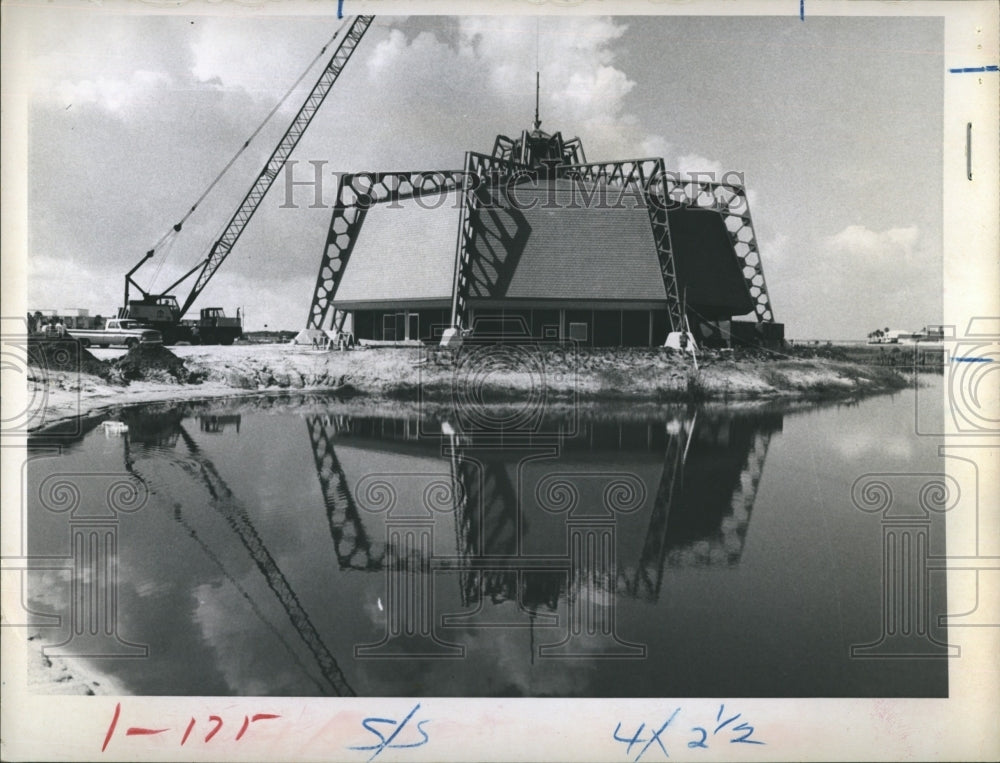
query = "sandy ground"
{"x": 58, "y": 675}
{"x": 490, "y": 374}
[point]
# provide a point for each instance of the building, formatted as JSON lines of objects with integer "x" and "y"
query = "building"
{"x": 533, "y": 240}
{"x": 72, "y": 317}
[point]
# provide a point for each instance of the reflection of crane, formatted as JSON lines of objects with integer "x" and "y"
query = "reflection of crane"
{"x": 161, "y": 310}
{"x": 223, "y": 500}
{"x": 246, "y": 596}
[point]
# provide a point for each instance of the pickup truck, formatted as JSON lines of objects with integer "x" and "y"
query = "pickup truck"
{"x": 117, "y": 331}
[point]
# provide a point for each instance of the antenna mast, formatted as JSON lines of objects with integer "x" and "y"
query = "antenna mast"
{"x": 538, "y": 122}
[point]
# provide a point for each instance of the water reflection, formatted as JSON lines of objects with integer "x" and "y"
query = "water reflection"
{"x": 701, "y": 473}
{"x": 305, "y": 548}
{"x": 215, "y": 423}
{"x": 167, "y": 430}
{"x": 584, "y": 518}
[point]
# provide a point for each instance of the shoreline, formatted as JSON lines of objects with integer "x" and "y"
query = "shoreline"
{"x": 65, "y": 675}
{"x": 396, "y": 380}
{"x": 486, "y": 376}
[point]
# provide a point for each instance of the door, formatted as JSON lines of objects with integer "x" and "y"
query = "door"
{"x": 412, "y": 326}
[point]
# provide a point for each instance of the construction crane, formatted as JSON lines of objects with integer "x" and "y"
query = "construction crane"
{"x": 161, "y": 310}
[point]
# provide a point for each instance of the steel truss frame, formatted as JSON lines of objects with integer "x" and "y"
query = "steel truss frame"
{"x": 729, "y": 200}
{"x": 354, "y": 549}
{"x": 482, "y": 175}
{"x": 356, "y": 193}
{"x": 571, "y": 151}
{"x": 489, "y": 173}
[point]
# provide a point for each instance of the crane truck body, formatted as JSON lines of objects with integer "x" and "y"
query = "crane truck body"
{"x": 161, "y": 311}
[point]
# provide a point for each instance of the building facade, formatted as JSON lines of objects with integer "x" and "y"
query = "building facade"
{"x": 533, "y": 241}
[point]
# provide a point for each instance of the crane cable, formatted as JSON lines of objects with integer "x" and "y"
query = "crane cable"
{"x": 168, "y": 248}
{"x": 175, "y": 229}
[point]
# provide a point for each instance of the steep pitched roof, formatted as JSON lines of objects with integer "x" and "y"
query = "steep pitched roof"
{"x": 549, "y": 242}
{"x": 546, "y": 242}
{"x": 404, "y": 251}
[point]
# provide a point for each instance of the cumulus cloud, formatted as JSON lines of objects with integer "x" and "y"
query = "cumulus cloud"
{"x": 894, "y": 245}
{"x": 693, "y": 163}
{"x": 776, "y": 258}
{"x": 583, "y": 91}
{"x": 112, "y": 94}
{"x": 896, "y": 271}
{"x": 245, "y": 650}
{"x": 160, "y": 103}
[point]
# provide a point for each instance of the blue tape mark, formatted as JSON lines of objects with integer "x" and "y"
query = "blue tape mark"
{"x": 973, "y": 360}
{"x": 340, "y": 9}
{"x": 802, "y": 10}
{"x": 973, "y": 69}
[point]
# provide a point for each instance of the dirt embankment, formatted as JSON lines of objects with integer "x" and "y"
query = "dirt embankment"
{"x": 503, "y": 372}
{"x": 64, "y": 359}
{"x": 74, "y": 381}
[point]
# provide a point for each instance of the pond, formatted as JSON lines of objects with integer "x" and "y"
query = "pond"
{"x": 315, "y": 547}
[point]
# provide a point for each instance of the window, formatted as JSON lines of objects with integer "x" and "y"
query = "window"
{"x": 578, "y": 331}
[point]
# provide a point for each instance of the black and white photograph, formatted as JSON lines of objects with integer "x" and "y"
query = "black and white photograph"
{"x": 517, "y": 381}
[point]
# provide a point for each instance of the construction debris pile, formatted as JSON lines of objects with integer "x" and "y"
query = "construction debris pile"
{"x": 66, "y": 356}
{"x": 155, "y": 363}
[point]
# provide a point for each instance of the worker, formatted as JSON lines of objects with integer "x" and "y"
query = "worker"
{"x": 60, "y": 329}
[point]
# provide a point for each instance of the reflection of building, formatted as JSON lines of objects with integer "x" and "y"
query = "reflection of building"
{"x": 708, "y": 520}
{"x": 214, "y": 423}
{"x": 557, "y": 531}
{"x": 693, "y": 481}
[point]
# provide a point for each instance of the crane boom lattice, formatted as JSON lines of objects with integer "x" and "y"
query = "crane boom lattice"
{"x": 221, "y": 248}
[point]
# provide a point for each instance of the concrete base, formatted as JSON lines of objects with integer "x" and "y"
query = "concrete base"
{"x": 451, "y": 338}
{"x": 681, "y": 340}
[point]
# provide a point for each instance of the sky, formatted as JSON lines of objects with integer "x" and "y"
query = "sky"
{"x": 835, "y": 123}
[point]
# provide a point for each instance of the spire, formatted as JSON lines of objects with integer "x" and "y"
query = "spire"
{"x": 538, "y": 122}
